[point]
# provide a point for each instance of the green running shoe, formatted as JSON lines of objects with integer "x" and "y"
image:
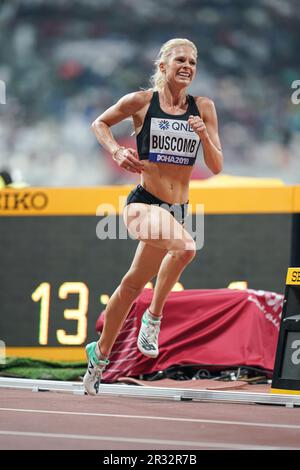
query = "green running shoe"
{"x": 96, "y": 366}
{"x": 148, "y": 336}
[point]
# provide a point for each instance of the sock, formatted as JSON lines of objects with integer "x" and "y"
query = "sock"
{"x": 154, "y": 317}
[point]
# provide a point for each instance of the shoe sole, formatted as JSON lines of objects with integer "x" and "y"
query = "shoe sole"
{"x": 151, "y": 356}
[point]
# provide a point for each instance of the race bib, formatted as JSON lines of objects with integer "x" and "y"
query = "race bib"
{"x": 173, "y": 141}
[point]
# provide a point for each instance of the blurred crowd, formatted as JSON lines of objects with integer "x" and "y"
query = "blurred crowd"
{"x": 64, "y": 61}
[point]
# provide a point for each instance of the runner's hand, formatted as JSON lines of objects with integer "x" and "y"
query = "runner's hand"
{"x": 198, "y": 125}
{"x": 127, "y": 158}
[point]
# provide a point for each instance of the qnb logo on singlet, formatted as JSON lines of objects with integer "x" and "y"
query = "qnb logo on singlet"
{"x": 172, "y": 141}
{"x": 164, "y": 124}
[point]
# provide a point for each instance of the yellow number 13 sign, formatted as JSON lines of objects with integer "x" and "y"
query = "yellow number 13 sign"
{"x": 42, "y": 294}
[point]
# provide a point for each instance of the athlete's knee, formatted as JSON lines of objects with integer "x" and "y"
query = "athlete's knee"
{"x": 187, "y": 254}
{"x": 190, "y": 247}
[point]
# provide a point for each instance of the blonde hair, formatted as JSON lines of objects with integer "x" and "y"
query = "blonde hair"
{"x": 158, "y": 78}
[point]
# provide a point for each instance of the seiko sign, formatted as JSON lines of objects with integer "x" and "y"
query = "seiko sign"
{"x": 23, "y": 200}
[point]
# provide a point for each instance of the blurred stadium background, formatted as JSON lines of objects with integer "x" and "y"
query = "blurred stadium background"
{"x": 65, "y": 61}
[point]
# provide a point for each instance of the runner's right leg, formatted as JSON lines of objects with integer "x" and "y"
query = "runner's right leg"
{"x": 144, "y": 267}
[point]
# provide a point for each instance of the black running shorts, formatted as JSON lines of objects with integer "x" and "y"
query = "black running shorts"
{"x": 139, "y": 194}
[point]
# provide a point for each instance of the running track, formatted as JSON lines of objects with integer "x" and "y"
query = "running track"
{"x": 47, "y": 420}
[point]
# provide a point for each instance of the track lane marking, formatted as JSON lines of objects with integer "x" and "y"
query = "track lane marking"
{"x": 158, "y": 418}
{"x": 163, "y": 442}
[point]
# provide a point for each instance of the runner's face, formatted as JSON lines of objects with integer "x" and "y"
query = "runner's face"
{"x": 181, "y": 65}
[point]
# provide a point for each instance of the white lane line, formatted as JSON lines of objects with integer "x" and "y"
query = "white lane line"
{"x": 157, "y": 418}
{"x": 136, "y": 440}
